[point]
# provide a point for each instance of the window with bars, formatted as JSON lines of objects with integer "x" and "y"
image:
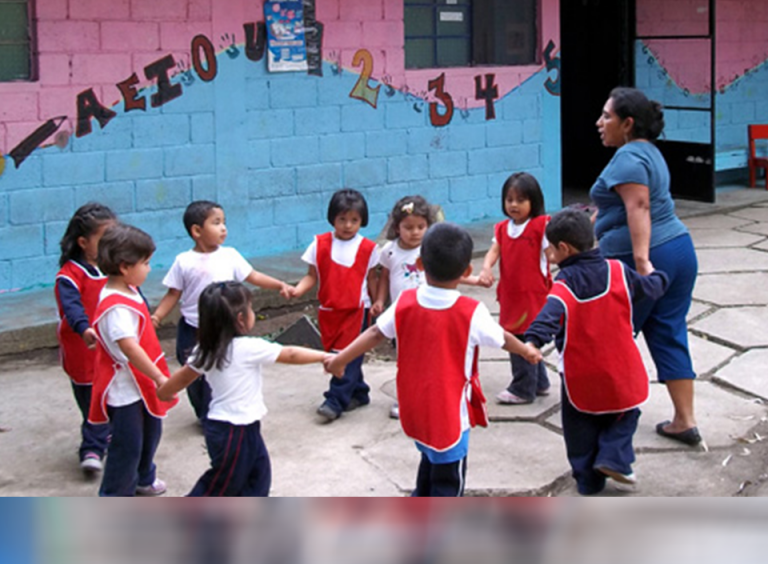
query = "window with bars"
{"x": 16, "y": 41}
{"x": 460, "y": 33}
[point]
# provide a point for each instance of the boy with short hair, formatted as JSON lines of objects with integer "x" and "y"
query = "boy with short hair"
{"x": 192, "y": 271}
{"x": 589, "y": 314}
{"x": 438, "y": 333}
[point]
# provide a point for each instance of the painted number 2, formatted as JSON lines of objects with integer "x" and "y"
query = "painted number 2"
{"x": 362, "y": 90}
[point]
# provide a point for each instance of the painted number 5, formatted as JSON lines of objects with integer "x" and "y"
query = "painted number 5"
{"x": 362, "y": 90}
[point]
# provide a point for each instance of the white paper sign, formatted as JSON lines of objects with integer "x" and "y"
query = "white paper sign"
{"x": 451, "y": 16}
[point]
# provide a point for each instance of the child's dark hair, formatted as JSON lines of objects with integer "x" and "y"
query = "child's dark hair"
{"x": 197, "y": 212}
{"x": 123, "y": 244}
{"x": 220, "y": 304}
{"x": 348, "y": 200}
{"x": 527, "y": 187}
{"x": 87, "y": 219}
{"x": 573, "y": 227}
{"x": 406, "y": 207}
{"x": 647, "y": 114}
{"x": 446, "y": 251}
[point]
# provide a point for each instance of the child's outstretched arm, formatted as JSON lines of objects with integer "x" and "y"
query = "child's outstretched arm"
{"x": 382, "y": 293}
{"x": 179, "y": 380}
{"x": 265, "y": 281}
{"x": 514, "y": 345}
{"x": 303, "y": 355}
{"x": 140, "y": 360}
{"x": 170, "y": 299}
{"x": 491, "y": 257}
{"x": 365, "y": 342}
{"x": 306, "y": 283}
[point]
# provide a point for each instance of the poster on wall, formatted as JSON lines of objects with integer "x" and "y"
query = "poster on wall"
{"x": 286, "y": 48}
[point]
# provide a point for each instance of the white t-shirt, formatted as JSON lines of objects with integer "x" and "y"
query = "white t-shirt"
{"x": 401, "y": 263}
{"x": 484, "y": 331}
{"x": 116, "y": 324}
{"x": 514, "y": 231}
{"x": 344, "y": 253}
{"x": 236, "y": 395}
{"x": 191, "y": 272}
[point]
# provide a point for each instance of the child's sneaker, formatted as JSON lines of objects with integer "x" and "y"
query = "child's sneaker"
{"x": 394, "y": 411}
{"x": 157, "y": 487}
{"x": 542, "y": 392}
{"x": 628, "y": 479}
{"x": 91, "y": 463}
{"x": 508, "y": 398}
{"x": 328, "y": 412}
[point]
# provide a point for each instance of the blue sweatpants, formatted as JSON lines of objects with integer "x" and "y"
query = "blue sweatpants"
{"x": 93, "y": 437}
{"x": 135, "y": 436}
{"x": 440, "y": 480}
{"x": 240, "y": 465}
{"x": 593, "y": 441}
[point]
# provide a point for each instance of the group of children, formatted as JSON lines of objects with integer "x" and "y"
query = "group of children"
{"x": 111, "y": 352}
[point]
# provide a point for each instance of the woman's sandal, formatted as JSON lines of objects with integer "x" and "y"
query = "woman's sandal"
{"x": 691, "y": 436}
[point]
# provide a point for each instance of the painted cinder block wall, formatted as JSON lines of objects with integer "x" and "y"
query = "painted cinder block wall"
{"x": 678, "y": 72}
{"x": 270, "y": 147}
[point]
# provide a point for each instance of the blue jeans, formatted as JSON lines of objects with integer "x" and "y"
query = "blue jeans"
{"x": 351, "y": 385}
{"x": 199, "y": 392}
{"x": 94, "y": 437}
{"x": 593, "y": 441}
{"x": 527, "y": 378}
{"x": 240, "y": 464}
{"x": 135, "y": 436}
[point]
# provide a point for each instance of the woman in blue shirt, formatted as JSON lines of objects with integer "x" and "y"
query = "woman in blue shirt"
{"x": 636, "y": 223}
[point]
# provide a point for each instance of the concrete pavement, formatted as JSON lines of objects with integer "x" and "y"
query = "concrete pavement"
{"x": 365, "y": 453}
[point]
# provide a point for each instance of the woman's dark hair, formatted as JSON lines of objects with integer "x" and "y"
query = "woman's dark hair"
{"x": 408, "y": 206}
{"x": 572, "y": 226}
{"x": 123, "y": 244}
{"x": 86, "y": 221}
{"x": 348, "y": 200}
{"x": 527, "y": 187}
{"x": 446, "y": 251}
{"x": 219, "y": 305}
{"x": 197, "y": 212}
{"x": 647, "y": 114}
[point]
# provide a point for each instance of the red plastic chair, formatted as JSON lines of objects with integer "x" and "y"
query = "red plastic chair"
{"x": 755, "y": 162}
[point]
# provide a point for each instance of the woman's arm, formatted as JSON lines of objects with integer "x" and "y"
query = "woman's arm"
{"x": 180, "y": 379}
{"x": 306, "y": 283}
{"x": 636, "y": 198}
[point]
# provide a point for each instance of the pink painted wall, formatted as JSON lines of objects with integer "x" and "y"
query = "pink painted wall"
{"x": 742, "y": 40}
{"x": 97, "y": 43}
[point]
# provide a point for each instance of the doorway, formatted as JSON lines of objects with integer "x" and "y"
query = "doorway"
{"x": 596, "y": 56}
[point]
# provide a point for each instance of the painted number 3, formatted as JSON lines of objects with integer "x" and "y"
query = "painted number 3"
{"x": 362, "y": 90}
{"x": 438, "y": 119}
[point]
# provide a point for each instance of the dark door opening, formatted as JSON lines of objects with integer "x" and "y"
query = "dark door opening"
{"x": 596, "y": 56}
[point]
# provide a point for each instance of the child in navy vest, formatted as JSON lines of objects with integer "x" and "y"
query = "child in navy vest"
{"x": 589, "y": 314}
{"x": 438, "y": 333}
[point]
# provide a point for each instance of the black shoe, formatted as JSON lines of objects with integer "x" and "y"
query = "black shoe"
{"x": 354, "y": 403}
{"x": 691, "y": 436}
{"x": 328, "y": 412}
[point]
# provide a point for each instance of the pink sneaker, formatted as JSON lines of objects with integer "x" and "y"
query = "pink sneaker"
{"x": 157, "y": 487}
{"x": 508, "y": 398}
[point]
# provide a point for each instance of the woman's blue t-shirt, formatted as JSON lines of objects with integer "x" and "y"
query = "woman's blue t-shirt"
{"x": 637, "y": 162}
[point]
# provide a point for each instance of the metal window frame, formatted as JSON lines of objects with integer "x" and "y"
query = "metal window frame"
{"x": 31, "y": 43}
{"x": 435, "y": 6}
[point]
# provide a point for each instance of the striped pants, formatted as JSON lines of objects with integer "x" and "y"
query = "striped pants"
{"x": 240, "y": 463}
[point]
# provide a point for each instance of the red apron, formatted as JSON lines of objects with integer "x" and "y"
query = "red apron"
{"x": 76, "y": 358}
{"x": 602, "y": 368}
{"x": 522, "y": 289}
{"x": 340, "y": 314}
{"x": 107, "y": 366}
{"x": 431, "y": 378}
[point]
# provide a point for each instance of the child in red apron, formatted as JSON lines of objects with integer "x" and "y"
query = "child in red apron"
{"x": 342, "y": 263}
{"x": 524, "y": 278}
{"x": 589, "y": 314}
{"x": 78, "y": 284}
{"x": 130, "y": 364}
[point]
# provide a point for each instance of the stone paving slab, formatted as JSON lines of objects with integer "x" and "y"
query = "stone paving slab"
{"x": 761, "y": 246}
{"x": 747, "y": 372}
{"x": 722, "y": 416}
{"x": 731, "y": 260}
{"x": 697, "y": 309}
{"x": 755, "y": 228}
{"x": 717, "y": 238}
{"x": 743, "y": 326}
{"x": 716, "y": 222}
{"x": 504, "y": 459}
{"x": 733, "y": 289}
{"x": 757, "y": 213}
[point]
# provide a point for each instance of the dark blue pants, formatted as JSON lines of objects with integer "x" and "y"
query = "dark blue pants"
{"x": 527, "y": 378}
{"x": 593, "y": 441}
{"x": 199, "y": 392}
{"x": 440, "y": 480}
{"x": 240, "y": 464}
{"x": 351, "y": 385}
{"x": 94, "y": 437}
{"x": 135, "y": 436}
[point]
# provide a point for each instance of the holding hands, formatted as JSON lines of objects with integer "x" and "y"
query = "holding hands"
{"x": 90, "y": 338}
{"x": 532, "y": 354}
{"x": 486, "y": 279}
